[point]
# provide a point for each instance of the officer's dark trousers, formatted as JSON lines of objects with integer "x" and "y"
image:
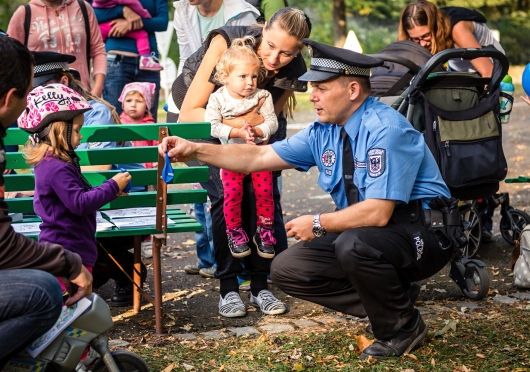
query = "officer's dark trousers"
{"x": 362, "y": 272}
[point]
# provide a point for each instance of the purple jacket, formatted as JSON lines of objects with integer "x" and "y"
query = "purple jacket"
{"x": 67, "y": 210}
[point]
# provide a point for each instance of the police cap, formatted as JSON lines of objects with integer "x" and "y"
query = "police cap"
{"x": 328, "y": 62}
{"x": 49, "y": 64}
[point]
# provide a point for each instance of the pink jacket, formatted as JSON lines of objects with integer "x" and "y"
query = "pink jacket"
{"x": 62, "y": 31}
{"x": 135, "y": 6}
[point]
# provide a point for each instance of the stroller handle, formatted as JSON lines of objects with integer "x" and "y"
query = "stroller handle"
{"x": 465, "y": 53}
{"x": 414, "y": 68}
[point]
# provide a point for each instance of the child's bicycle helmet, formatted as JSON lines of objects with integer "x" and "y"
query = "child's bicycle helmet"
{"x": 48, "y": 104}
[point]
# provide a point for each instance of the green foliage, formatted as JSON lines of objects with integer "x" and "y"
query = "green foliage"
{"x": 7, "y": 8}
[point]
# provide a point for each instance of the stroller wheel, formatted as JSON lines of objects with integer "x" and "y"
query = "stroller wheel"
{"x": 513, "y": 224}
{"x": 477, "y": 282}
{"x": 472, "y": 230}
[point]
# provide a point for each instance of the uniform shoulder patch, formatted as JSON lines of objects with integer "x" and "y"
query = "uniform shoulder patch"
{"x": 376, "y": 162}
{"x": 328, "y": 158}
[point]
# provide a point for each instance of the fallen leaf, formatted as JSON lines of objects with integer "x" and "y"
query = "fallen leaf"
{"x": 433, "y": 363}
{"x": 189, "y": 242}
{"x": 212, "y": 362}
{"x": 441, "y": 290}
{"x": 187, "y": 367}
{"x": 461, "y": 369}
{"x": 412, "y": 356}
{"x": 450, "y": 325}
{"x": 362, "y": 343}
{"x": 481, "y": 356}
{"x": 170, "y": 367}
{"x": 298, "y": 367}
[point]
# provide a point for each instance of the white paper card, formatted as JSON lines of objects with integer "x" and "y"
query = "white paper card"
{"x": 129, "y": 223}
{"x": 68, "y": 315}
{"x": 130, "y": 212}
{"x": 27, "y": 228}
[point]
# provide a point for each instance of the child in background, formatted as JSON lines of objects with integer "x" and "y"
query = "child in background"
{"x": 136, "y": 101}
{"x": 237, "y": 70}
{"x": 148, "y": 61}
{"x": 64, "y": 199}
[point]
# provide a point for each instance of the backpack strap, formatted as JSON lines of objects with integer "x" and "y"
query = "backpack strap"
{"x": 27, "y": 21}
{"x": 87, "y": 30}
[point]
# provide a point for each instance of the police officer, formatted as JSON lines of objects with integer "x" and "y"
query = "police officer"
{"x": 360, "y": 259}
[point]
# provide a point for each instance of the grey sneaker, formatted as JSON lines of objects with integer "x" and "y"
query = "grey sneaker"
{"x": 207, "y": 273}
{"x": 192, "y": 269}
{"x": 267, "y": 303}
{"x": 231, "y": 306}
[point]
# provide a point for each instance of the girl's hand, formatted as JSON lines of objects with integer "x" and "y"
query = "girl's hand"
{"x": 250, "y": 133}
{"x": 526, "y": 99}
{"x": 122, "y": 179}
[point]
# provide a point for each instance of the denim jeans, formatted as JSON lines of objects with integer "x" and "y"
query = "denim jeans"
{"x": 124, "y": 70}
{"x": 31, "y": 302}
{"x": 204, "y": 238}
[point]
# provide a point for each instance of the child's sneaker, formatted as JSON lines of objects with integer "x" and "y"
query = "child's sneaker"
{"x": 231, "y": 306}
{"x": 150, "y": 63}
{"x": 237, "y": 242}
{"x": 264, "y": 240}
{"x": 267, "y": 303}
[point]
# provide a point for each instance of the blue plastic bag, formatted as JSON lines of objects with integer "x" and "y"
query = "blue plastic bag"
{"x": 167, "y": 171}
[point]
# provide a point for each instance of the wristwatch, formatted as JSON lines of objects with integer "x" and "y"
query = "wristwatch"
{"x": 318, "y": 230}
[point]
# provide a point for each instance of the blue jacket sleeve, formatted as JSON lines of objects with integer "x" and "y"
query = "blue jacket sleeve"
{"x": 108, "y": 14}
{"x": 160, "y": 19}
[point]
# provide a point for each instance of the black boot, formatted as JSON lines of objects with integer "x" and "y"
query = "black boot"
{"x": 123, "y": 295}
{"x": 408, "y": 338}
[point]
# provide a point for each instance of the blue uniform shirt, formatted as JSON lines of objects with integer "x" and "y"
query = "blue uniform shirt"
{"x": 391, "y": 158}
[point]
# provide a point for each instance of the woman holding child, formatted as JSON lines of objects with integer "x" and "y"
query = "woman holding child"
{"x": 278, "y": 45}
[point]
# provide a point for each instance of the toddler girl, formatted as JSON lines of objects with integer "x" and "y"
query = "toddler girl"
{"x": 148, "y": 61}
{"x": 136, "y": 101}
{"x": 237, "y": 70}
{"x": 64, "y": 199}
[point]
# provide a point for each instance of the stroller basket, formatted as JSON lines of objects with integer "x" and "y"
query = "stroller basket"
{"x": 459, "y": 116}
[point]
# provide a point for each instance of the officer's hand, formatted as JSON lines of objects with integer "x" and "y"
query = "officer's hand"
{"x": 79, "y": 287}
{"x": 179, "y": 149}
{"x": 301, "y": 228}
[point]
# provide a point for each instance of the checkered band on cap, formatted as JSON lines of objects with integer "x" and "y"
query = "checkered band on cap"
{"x": 330, "y": 65}
{"x": 50, "y": 67}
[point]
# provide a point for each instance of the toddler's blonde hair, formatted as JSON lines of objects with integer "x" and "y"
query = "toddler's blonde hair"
{"x": 241, "y": 51}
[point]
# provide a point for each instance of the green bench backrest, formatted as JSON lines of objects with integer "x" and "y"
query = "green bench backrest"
{"x": 116, "y": 133}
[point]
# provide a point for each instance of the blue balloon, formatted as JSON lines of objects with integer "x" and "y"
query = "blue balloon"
{"x": 526, "y": 79}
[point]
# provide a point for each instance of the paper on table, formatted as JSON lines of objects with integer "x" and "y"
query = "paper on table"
{"x": 128, "y": 223}
{"x": 27, "y": 228}
{"x": 68, "y": 315}
{"x": 130, "y": 212}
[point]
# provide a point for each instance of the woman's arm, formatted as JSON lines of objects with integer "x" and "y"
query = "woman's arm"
{"x": 97, "y": 53}
{"x": 108, "y": 14}
{"x": 464, "y": 38}
{"x": 192, "y": 109}
{"x": 160, "y": 18}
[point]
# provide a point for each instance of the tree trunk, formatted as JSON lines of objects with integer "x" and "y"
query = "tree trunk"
{"x": 339, "y": 23}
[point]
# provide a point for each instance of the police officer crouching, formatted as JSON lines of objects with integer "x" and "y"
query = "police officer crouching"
{"x": 362, "y": 258}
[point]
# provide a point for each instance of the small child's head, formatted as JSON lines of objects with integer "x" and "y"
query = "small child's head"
{"x": 53, "y": 117}
{"x": 239, "y": 68}
{"x": 136, "y": 99}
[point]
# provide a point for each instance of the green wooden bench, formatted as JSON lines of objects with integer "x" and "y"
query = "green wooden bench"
{"x": 160, "y": 198}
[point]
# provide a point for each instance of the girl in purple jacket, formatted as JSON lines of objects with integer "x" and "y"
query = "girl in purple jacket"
{"x": 64, "y": 199}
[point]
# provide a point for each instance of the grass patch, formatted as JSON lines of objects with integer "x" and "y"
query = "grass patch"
{"x": 498, "y": 342}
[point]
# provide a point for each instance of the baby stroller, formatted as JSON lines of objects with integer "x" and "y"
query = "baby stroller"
{"x": 440, "y": 98}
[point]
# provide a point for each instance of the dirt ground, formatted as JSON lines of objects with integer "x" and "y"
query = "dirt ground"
{"x": 191, "y": 302}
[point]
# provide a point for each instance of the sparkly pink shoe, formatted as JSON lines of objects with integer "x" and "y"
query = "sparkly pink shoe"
{"x": 150, "y": 63}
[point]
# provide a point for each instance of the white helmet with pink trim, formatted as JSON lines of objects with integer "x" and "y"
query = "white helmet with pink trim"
{"x": 46, "y": 105}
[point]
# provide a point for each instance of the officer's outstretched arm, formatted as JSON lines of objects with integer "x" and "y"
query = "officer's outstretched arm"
{"x": 237, "y": 158}
{"x": 369, "y": 212}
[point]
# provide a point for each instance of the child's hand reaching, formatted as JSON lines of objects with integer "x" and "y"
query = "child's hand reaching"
{"x": 122, "y": 179}
{"x": 526, "y": 99}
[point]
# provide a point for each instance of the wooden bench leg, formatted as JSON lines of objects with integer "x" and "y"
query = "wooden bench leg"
{"x": 158, "y": 240}
{"x": 136, "y": 275}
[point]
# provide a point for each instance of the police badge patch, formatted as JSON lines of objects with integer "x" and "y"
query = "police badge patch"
{"x": 376, "y": 162}
{"x": 328, "y": 158}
